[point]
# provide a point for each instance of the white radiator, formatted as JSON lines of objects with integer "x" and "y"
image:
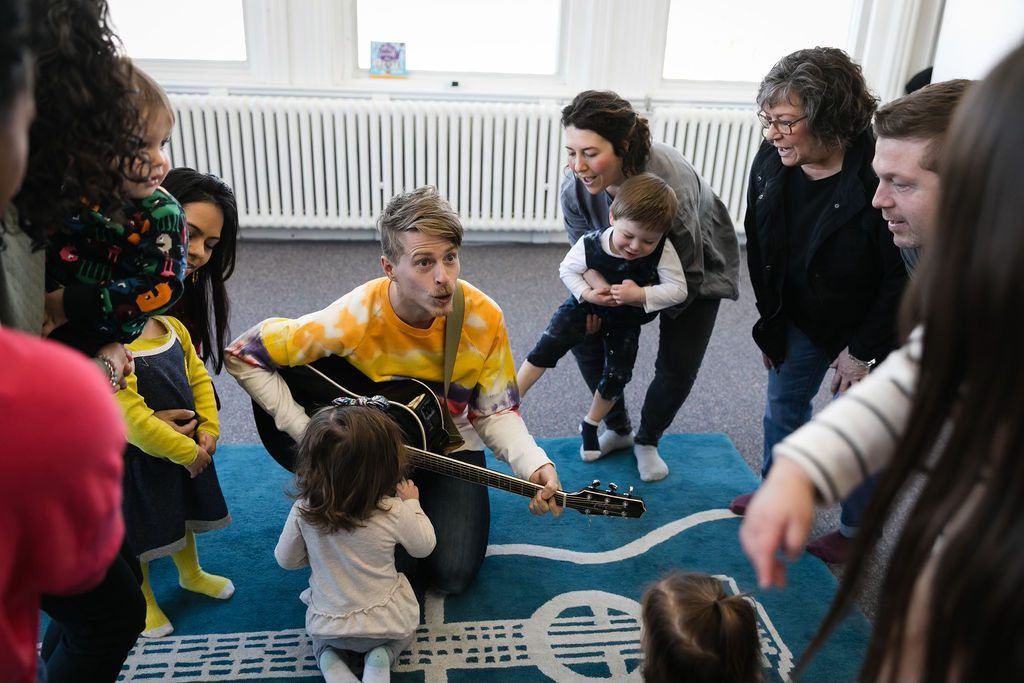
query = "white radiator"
{"x": 301, "y": 164}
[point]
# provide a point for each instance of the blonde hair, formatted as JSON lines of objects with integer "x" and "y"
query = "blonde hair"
{"x": 421, "y": 210}
{"x": 150, "y": 98}
{"x": 648, "y": 200}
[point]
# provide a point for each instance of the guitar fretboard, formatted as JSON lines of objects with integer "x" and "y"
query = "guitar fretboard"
{"x": 591, "y": 503}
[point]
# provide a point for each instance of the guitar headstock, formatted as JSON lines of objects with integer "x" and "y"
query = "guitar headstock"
{"x": 606, "y": 503}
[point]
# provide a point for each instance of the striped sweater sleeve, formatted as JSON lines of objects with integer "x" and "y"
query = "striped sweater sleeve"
{"x": 856, "y": 435}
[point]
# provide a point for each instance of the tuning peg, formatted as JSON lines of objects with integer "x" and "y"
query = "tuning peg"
{"x": 612, "y": 487}
{"x": 596, "y": 484}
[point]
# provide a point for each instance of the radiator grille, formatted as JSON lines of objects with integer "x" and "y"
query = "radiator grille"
{"x": 308, "y": 163}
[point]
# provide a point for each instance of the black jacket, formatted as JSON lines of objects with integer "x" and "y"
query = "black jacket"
{"x": 854, "y": 270}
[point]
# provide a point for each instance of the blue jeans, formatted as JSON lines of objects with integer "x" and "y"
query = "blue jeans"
{"x": 461, "y": 515}
{"x": 791, "y": 388}
{"x": 682, "y": 341}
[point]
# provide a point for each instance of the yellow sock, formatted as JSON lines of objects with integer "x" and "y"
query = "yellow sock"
{"x": 157, "y": 623}
{"x": 192, "y": 577}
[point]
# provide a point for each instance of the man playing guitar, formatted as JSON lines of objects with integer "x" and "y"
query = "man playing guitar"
{"x": 394, "y": 327}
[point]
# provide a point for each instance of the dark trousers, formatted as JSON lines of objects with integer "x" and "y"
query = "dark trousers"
{"x": 568, "y": 328}
{"x": 91, "y": 633}
{"x": 461, "y": 515}
{"x": 682, "y": 342}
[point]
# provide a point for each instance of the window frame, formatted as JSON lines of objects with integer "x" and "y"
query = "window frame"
{"x": 603, "y": 44}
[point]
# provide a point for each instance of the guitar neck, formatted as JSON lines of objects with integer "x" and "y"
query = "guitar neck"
{"x": 587, "y": 502}
{"x": 475, "y": 474}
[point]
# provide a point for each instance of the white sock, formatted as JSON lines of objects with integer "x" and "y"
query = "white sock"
{"x": 377, "y": 668}
{"x": 650, "y": 464}
{"x": 334, "y": 668}
{"x": 610, "y": 440}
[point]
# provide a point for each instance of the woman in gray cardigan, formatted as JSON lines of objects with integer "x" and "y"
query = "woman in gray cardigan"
{"x": 607, "y": 141}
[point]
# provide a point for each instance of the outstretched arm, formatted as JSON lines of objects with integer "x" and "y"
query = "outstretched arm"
{"x": 824, "y": 460}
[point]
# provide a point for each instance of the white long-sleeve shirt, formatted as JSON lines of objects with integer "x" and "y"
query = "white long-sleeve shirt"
{"x": 354, "y": 588}
{"x": 671, "y": 287}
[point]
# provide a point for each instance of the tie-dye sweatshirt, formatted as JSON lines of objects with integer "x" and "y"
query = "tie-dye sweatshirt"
{"x": 363, "y": 328}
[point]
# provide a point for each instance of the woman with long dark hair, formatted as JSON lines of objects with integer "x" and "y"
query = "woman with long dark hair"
{"x": 212, "y": 217}
{"x": 607, "y": 141}
{"x": 954, "y": 607}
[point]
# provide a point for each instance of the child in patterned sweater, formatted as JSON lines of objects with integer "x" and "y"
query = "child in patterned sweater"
{"x": 104, "y": 277}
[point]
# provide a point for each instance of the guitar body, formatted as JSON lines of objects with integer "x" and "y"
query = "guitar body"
{"x": 416, "y": 409}
{"x": 414, "y": 406}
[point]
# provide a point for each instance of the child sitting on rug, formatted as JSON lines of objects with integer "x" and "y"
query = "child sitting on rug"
{"x": 642, "y": 275}
{"x": 694, "y": 631}
{"x": 353, "y": 506}
{"x": 170, "y": 485}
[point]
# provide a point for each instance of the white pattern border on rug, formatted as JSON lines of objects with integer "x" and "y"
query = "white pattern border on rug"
{"x": 569, "y": 631}
{"x": 564, "y": 636}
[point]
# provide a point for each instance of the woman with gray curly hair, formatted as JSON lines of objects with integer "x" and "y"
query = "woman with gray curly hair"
{"x": 825, "y": 272}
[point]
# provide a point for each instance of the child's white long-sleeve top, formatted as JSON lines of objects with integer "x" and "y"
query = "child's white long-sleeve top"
{"x": 671, "y": 287}
{"x": 354, "y": 589}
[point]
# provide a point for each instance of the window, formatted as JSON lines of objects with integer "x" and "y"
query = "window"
{"x": 465, "y": 35}
{"x": 746, "y": 37}
{"x": 193, "y": 30}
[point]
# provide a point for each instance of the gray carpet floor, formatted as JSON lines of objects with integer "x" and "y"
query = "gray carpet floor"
{"x": 289, "y": 278}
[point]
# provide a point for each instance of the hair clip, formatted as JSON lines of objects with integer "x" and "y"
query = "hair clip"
{"x": 378, "y": 402}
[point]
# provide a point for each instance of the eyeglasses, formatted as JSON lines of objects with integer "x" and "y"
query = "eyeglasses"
{"x": 784, "y": 127}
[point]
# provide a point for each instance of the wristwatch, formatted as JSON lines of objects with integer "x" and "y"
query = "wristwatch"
{"x": 108, "y": 365}
{"x": 864, "y": 363}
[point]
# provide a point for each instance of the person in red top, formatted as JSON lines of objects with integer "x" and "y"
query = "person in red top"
{"x": 60, "y": 488}
{"x": 61, "y": 436}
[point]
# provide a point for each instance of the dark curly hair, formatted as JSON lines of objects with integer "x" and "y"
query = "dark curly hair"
{"x": 204, "y": 291}
{"x": 614, "y": 119}
{"x": 86, "y": 129}
{"x": 831, "y": 87}
{"x": 348, "y": 459}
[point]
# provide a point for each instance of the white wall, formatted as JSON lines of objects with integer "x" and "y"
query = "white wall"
{"x": 975, "y": 35}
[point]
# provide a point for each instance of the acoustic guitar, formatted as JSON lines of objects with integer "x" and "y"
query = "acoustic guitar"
{"x": 417, "y": 410}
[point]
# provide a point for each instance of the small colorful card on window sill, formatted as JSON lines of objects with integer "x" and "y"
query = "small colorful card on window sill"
{"x": 387, "y": 60}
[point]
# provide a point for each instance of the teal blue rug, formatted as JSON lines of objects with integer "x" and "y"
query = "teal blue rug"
{"x": 556, "y": 599}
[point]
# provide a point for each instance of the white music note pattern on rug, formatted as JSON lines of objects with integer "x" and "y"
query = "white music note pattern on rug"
{"x": 576, "y": 637}
{"x": 566, "y": 638}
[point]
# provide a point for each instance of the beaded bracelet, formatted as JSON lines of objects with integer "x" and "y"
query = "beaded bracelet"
{"x": 108, "y": 365}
